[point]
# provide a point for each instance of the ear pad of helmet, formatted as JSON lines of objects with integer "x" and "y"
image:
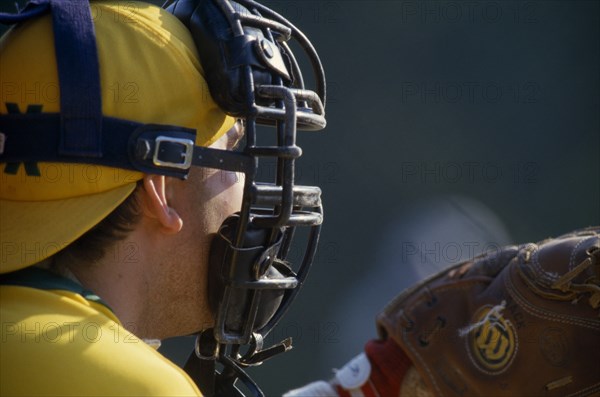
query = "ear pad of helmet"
{"x": 235, "y": 274}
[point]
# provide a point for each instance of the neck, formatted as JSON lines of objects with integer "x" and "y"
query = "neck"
{"x": 151, "y": 284}
{"x": 120, "y": 280}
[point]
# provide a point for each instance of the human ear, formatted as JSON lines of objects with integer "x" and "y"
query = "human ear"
{"x": 156, "y": 206}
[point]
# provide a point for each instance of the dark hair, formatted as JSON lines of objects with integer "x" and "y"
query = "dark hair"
{"x": 95, "y": 243}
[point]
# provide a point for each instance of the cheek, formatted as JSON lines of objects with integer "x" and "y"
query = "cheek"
{"x": 235, "y": 191}
{"x": 227, "y": 188}
{"x": 222, "y": 196}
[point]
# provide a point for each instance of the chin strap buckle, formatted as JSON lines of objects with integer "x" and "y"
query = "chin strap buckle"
{"x": 173, "y": 152}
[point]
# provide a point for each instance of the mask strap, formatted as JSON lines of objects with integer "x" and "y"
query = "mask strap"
{"x": 78, "y": 71}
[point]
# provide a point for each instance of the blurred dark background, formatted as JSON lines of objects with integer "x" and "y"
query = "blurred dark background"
{"x": 454, "y": 127}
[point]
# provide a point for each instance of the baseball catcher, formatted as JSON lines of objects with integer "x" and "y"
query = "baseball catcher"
{"x": 132, "y": 210}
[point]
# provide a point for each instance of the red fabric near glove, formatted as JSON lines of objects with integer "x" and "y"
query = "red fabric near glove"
{"x": 388, "y": 368}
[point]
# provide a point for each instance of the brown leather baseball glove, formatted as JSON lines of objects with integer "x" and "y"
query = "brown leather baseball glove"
{"x": 521, "y": 321}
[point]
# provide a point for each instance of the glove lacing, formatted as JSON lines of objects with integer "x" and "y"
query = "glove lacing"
{"x": 592, "y": 284}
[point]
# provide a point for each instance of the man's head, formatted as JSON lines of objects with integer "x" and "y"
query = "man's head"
{"x": 149, "y": 73}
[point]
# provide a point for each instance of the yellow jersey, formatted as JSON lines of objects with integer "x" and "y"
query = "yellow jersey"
{"x": 59, "y": 340}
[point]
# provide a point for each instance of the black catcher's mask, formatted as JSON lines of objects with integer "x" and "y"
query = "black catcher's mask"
{"x": 252, "y": 75}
